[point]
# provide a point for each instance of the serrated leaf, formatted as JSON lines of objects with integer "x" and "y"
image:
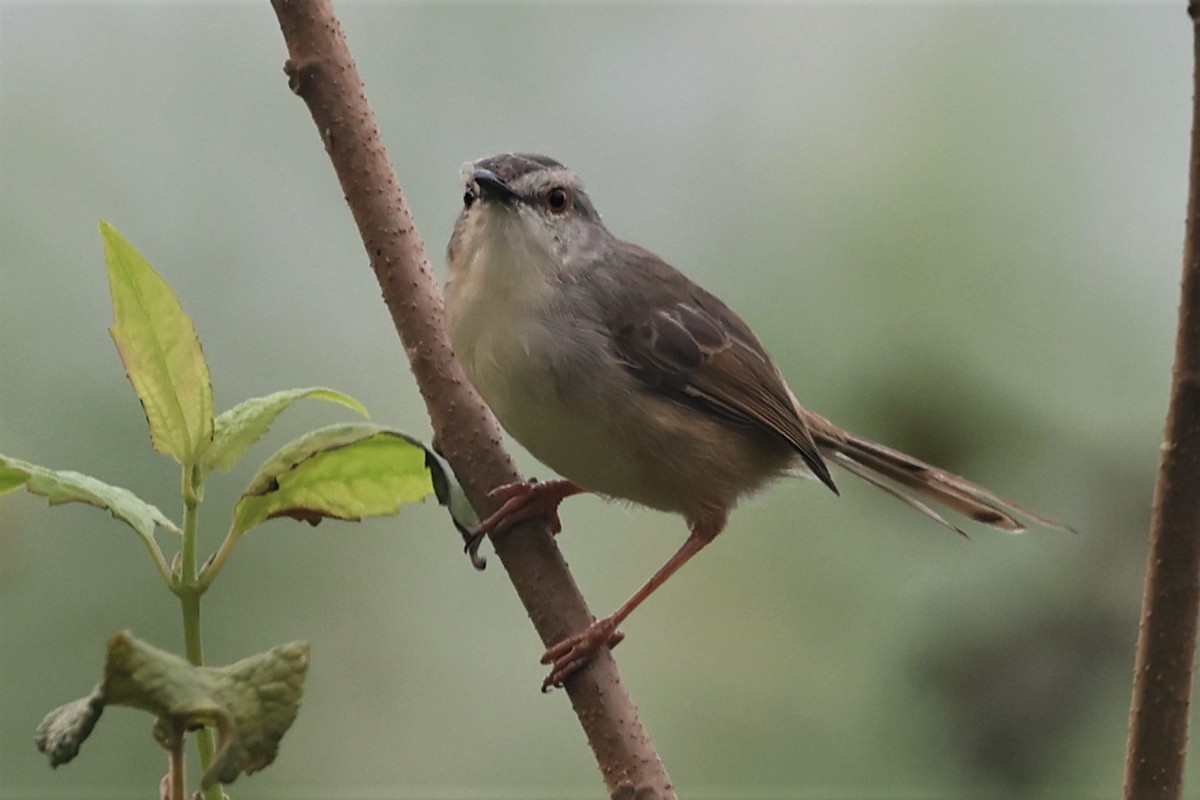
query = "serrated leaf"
{"x": 241, "y": 426}
{"x": 342, "y": 471}
{"x": 65, "y": 486}
{"x": 161, "y": 352}
{"x": 251, "y": 703}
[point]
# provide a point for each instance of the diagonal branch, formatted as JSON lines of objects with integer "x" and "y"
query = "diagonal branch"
{"x": 1167, "y": 637}
{"x": 321, "y": 71}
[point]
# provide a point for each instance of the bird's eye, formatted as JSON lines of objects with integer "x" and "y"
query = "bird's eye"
{"x": 557, "y": 200}
{"x": 468, "y": 198}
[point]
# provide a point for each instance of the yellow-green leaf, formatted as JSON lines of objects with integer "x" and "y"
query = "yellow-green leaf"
{"x": 244, "y": 424}
{"x": 65, "y": 486}
{"x": 161, "y": 352}
{"x": 343, "y": 471}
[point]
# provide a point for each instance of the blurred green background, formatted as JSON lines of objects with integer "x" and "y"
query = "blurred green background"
{"x": 957, "y": 228}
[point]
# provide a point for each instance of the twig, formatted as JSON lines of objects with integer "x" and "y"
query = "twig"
{"x": 1167, "y": 636}
{"x": 322, "y": 72}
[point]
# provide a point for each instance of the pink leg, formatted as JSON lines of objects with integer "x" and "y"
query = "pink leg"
{"x": 572, "y": 653}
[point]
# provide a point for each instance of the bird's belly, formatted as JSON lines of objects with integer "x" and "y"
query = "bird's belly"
{"x": 579, "y": 412}
{"x": 648, "y": 450}
{"x": 593, "y": 457}
{"x": 557, "y": 420}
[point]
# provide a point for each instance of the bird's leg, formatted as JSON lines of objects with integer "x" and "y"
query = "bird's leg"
{"x": 575, "y": 651}
{"x": 523, "y": 501}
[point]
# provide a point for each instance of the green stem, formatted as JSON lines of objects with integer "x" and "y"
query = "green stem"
{"x": 193, "y": 490}
{"x": 205, "y": 745}
{"x": 210, "y": 571}
{"x": 160, "y": 563}
{"x": 189, "y": 596}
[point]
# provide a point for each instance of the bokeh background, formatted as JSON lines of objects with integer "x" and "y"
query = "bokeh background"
{"x": 957, "y": 227}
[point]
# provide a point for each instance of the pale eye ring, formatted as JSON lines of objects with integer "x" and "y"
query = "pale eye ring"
{"x": 557, "y": 200}
{"x": 468, "y": 198}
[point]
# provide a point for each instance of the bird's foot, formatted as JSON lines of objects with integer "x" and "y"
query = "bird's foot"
{"x": 523, "y": 501}
{"x": 572, "y": 653}
{"x": 526, "y": 500}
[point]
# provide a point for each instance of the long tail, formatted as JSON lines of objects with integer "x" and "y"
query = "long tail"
{"x": 913, "y": 481}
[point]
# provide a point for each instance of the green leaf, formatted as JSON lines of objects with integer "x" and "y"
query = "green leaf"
{"x": 247, "y": 422}
{"x": 11, "y": 478}
{"x": 251, "y": 703}
{"x": 161, "y": 352}
{"x": 347, "y": 472}
{"x": 343, "y": 471}
{"x": 65, "y": 486}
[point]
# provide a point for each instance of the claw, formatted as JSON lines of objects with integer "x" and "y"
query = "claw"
{"x": 523, "y": 501}
{"x": 573, "y": 653}
{"x": 526, "y": 500}
{"x": 471, "y": 541}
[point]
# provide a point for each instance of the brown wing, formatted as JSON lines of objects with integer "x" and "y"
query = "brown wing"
{"x": 683, "y": 342}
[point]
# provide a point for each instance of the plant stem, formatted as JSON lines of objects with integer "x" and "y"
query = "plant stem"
{"x": 189, "y": 597}
{"x": 213, "y": 567}
{"x": 175, "y": 776}
{"x": 160, "y": 563}
{"x": 205, "y": 746}
{"x": 193, "y": 490}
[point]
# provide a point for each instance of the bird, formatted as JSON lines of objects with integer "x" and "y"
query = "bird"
{"x": 629, "y": 380}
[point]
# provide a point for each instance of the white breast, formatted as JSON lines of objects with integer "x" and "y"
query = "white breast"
{"x": 536, "y": 366}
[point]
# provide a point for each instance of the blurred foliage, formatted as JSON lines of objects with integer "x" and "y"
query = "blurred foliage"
{"x": 956, "y": 227}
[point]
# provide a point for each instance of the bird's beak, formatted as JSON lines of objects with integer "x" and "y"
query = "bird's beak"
{"x": 491, "y": 187}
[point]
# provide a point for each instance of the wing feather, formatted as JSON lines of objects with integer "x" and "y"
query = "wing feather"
{"x": 697, "y": 351}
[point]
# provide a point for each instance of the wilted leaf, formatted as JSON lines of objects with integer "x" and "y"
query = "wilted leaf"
{"x": 139, "y": 675}
{"x": 65, "y": 486}
{"x": 161, "y": 352}
{"x": 251, "y": 703}
{"x": 66, "y": 727}
{"x": 343, "y": 471}
{"x": 263, "y": 694}
{"x": 244, "y": 424}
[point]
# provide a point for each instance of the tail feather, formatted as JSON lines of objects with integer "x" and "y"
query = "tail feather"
{"x": 855, "y": 468}
{"x": 903, "y": 476}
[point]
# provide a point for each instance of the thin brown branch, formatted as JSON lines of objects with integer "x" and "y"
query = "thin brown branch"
{"x": 322, "y": 72}
{"x": 1167, "y": 636}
